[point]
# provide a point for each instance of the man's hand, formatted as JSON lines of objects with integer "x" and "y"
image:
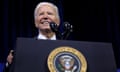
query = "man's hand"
{"x": 10, "y": 57}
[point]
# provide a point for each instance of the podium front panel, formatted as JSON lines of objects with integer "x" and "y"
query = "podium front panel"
{"x": 31, "y": 54}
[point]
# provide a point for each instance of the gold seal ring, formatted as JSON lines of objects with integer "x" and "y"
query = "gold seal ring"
{"x": 63, "y": 50}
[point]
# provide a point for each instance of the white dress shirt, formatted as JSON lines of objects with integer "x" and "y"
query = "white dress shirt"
{"x": 41, "y": 36}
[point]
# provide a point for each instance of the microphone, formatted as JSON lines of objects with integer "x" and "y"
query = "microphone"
{"x": 54, "y": 28}
{"x": 68, "y": 29}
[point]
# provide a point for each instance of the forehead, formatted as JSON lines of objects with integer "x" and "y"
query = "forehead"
{"x": 46, "y": 8}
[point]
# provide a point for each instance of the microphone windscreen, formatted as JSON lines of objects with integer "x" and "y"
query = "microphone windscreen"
{"x": 53, "y": 26}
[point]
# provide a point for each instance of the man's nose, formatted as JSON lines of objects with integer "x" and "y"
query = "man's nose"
{"x": 45, "y": 17}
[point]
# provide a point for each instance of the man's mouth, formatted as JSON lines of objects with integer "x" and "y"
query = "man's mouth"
{"x": 45, "y": 22}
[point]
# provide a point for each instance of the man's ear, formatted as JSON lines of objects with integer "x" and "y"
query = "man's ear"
{"x": 58, "y": 22}
{"x": 36, "y": 24}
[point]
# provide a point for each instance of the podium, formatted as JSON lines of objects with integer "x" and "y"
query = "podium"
{"x": 31, "y": 55}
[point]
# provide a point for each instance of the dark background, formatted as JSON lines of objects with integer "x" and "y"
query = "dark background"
{"x": 92, "y": 20}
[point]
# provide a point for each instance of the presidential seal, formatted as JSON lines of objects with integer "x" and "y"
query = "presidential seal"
{"x": 66, "y": 59}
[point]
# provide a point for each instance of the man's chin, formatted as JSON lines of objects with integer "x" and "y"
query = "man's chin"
{"x": 45, "y": 29}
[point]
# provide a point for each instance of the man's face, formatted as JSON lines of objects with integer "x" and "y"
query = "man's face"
{"x": 45, "y": 15}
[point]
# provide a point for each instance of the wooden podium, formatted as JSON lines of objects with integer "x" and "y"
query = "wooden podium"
{"x": 31, "y": 55}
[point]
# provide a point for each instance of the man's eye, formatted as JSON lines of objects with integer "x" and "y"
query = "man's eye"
{"x": 50, "y": 13}
{"x": 40, "y": 14}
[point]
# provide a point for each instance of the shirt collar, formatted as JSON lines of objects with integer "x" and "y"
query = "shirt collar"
{"x": 41, "y": 36}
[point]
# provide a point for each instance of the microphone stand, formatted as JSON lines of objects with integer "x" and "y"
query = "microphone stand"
{"x": 68, "y": 29}
{"x": 54, "y": 28}
{"x": 65, "y": 34}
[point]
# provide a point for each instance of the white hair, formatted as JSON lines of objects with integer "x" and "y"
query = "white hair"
{"x": 46, "y": 3}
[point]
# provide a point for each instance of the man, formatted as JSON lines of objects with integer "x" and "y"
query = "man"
{"x": 44, "y": 14}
